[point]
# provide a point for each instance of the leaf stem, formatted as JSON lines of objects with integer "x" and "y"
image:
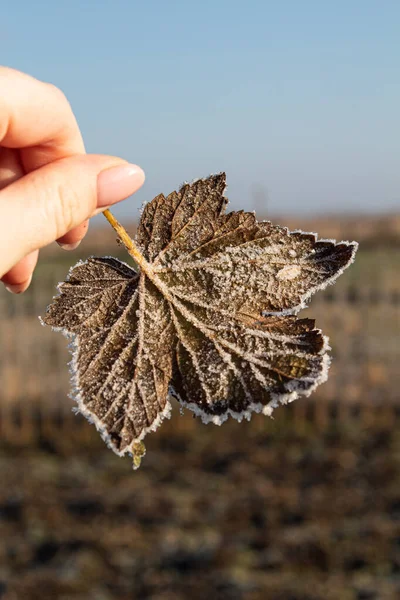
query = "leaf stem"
{"x": 126, "y": 239}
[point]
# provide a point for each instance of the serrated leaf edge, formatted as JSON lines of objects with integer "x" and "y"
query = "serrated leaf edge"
{"x": 75, "y": 394}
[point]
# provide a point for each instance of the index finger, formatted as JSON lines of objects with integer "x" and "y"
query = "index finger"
{"x": 37, "y": 118}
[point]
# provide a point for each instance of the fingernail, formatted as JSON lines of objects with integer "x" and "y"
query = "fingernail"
{"x": 69, "y": 246}
{"x": 117, "y": 183}
{"x": 18, "y": 288}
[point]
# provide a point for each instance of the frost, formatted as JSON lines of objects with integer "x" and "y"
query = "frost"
{"x": 210, "y": 319}
{"x": 289, "y": 272}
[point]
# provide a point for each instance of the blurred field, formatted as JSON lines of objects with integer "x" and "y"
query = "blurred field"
{"x": 305, "y": 506}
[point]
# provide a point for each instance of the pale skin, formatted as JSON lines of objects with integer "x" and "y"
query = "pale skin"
{"x": 49, "y": 186}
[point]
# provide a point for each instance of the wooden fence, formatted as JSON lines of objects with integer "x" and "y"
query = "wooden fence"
{"x": 361, "y": 315}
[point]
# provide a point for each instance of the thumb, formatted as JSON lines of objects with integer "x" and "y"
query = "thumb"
{"x": 45, "y": 204}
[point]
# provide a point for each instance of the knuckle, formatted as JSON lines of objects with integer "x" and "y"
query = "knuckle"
{"x": 61, "y": 100}
{"x": 60, "y": 202}
{"x": 67, "y": 209}
{"x": 68, "y": 126}
{"x": 58, "y": 93}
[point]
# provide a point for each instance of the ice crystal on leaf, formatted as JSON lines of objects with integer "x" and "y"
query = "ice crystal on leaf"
{"x": 209, "y": 317}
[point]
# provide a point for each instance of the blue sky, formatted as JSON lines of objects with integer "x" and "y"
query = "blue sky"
{"x": 298, "y": 101}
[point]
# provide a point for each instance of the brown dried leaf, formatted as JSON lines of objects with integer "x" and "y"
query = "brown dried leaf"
{"x": 210, "y": 317}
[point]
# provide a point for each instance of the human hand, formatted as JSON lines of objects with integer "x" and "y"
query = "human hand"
{"x": 49, "y": 187}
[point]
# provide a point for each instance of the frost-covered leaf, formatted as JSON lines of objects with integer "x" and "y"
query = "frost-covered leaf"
{"x": 210, "y": 317}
